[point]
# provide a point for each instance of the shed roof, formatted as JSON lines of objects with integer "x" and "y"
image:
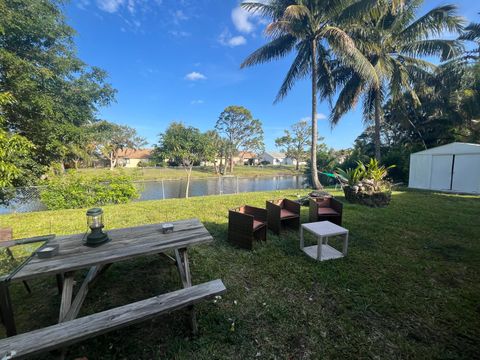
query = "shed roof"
{"x": 452, "y": 148}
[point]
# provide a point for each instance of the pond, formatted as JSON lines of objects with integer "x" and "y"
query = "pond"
{"x": 28, "y": 198}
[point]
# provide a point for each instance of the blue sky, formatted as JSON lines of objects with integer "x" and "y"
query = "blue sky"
{"x": 179, "y": 60}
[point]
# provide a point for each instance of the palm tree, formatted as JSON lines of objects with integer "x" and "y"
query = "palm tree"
{"x": 472, "y": 33}
{"x": 313, "y": 30}
{"x": 395, "y": 42}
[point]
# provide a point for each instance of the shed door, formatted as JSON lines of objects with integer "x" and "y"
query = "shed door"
{"x": 441, "y": 172}
{"x": 466, "y": 173}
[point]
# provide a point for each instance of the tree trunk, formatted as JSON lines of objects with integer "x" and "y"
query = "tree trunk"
{"x": 112, "y": 161}
{"x": 187, "y": 187}
{"x": 313, "y": 156}
{"x": 296, "y": 164}
{"x": 378, "y": 109}
{"x": 231, "y": 163}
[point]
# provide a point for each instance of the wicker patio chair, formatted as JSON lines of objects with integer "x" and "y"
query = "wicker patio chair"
{"x": 283, "y": 213}
{"x": 246, "y": 224}
{"x": 326, "y": 208}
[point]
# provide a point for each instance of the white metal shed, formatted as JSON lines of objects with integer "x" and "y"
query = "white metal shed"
{"x": 453, "y": 167}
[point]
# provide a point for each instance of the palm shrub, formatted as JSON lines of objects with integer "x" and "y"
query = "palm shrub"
{"x": 366, "y": 184}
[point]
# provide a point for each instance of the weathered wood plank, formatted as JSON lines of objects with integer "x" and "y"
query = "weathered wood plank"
{"x": 67, "y": 293}
{"x": 126, "y": 244}
{"x": 70, "y": 332}
{"x": 81, "y": 294}
{"x": 183, "y": 267}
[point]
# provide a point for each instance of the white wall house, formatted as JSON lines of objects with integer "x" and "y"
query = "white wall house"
{"x": 453, "y": 167}
{"x": 278, "y": 158}
{"x": 274, "y": 158}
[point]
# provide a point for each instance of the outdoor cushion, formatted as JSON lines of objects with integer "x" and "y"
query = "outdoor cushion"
{"x": 326, "y": 211}
{"x": 286, "y": 214}
{"x": 257, "y": 224}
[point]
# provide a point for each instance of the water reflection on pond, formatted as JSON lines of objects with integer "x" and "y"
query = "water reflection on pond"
{"x": 170, "y": 189}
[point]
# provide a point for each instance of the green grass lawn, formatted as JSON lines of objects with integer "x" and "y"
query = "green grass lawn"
{"x": 201, "y": 172}
{"x": 409, "y": 287}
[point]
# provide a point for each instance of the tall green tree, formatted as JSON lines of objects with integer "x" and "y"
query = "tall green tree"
{"x": 112, "y": 138}
{"x": 296, "y": 141}
{"x": 396, "y": 42}
{"x": 53, "y": 90}
{"x": 241, "y": 131}
{"x": 315, "y": 31}
{"x": 185, "y": 145}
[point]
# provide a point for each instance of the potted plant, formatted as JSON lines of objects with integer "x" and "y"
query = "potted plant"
{"x": 366, "y": 184}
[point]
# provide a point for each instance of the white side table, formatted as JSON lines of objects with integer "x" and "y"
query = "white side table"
{"x": 323, "y": 230}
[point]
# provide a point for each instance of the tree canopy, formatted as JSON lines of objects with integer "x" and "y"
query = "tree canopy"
{"x": 186, "y": 146}
{"x": 296, "y": 141}
{"x": 53, "y": 92}
{"x": 241, "y": 131}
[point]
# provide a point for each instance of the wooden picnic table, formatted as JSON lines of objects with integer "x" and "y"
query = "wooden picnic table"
{"x": 125, "y": 244}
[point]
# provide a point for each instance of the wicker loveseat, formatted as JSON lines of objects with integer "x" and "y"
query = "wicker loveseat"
{"x": 326, "y": 208}
{"x": 246, "y": 224}
{"x": 283, "y": 213}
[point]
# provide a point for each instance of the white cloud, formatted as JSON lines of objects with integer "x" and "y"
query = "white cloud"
{"x": 179, "y": 33}
{"x": 227, "y": 39}
{"x": 131, "y": 6}
{"x": 111, "y": 6}
{"x": 320, "y": 116}
{"x": 197, "y": 102}
{"x": 194, "y": 76}
{"x": 178, "y": 16}
{"x": 242, "y": 20}
{"x": 82, "y": 4}
{"x": 237, "y": 41}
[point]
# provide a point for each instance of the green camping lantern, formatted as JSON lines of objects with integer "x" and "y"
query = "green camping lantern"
{"x": 95, "y": 223}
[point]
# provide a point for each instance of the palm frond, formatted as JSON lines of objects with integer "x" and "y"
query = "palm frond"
{"x": 325, "y": 83}
{"x": 356, "y": 11}
{"x": 445, "y": 49}
{"x": 272, "y": 9}
{"x": 299, "y": 69}
{"x": 369, "y": 102}
{"x": 297, "y": 12}
{"x": 275, "y": 49}
{"x": 344, "y": 48}
{"x": 347, "y": 99}
{"x": 471, "y": 32}
{"x": 434, "y": 22}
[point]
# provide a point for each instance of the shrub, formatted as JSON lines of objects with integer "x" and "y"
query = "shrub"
{"x": 73, "y": 190}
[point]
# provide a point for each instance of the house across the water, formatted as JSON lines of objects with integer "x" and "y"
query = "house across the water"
{"x": 278, "y": 158}
{"x": 130, "y": 158}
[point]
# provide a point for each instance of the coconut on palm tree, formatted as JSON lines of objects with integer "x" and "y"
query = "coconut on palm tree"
{"x": 397, "y": 43}
{"x": 314, "y": 30}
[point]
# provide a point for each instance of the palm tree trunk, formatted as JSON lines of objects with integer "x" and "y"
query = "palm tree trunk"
{"x": 378, "y": 109}
{"x": 313, "y": 156}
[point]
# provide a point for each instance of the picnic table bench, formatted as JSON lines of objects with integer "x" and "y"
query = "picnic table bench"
{"x": 125, "y": 244}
